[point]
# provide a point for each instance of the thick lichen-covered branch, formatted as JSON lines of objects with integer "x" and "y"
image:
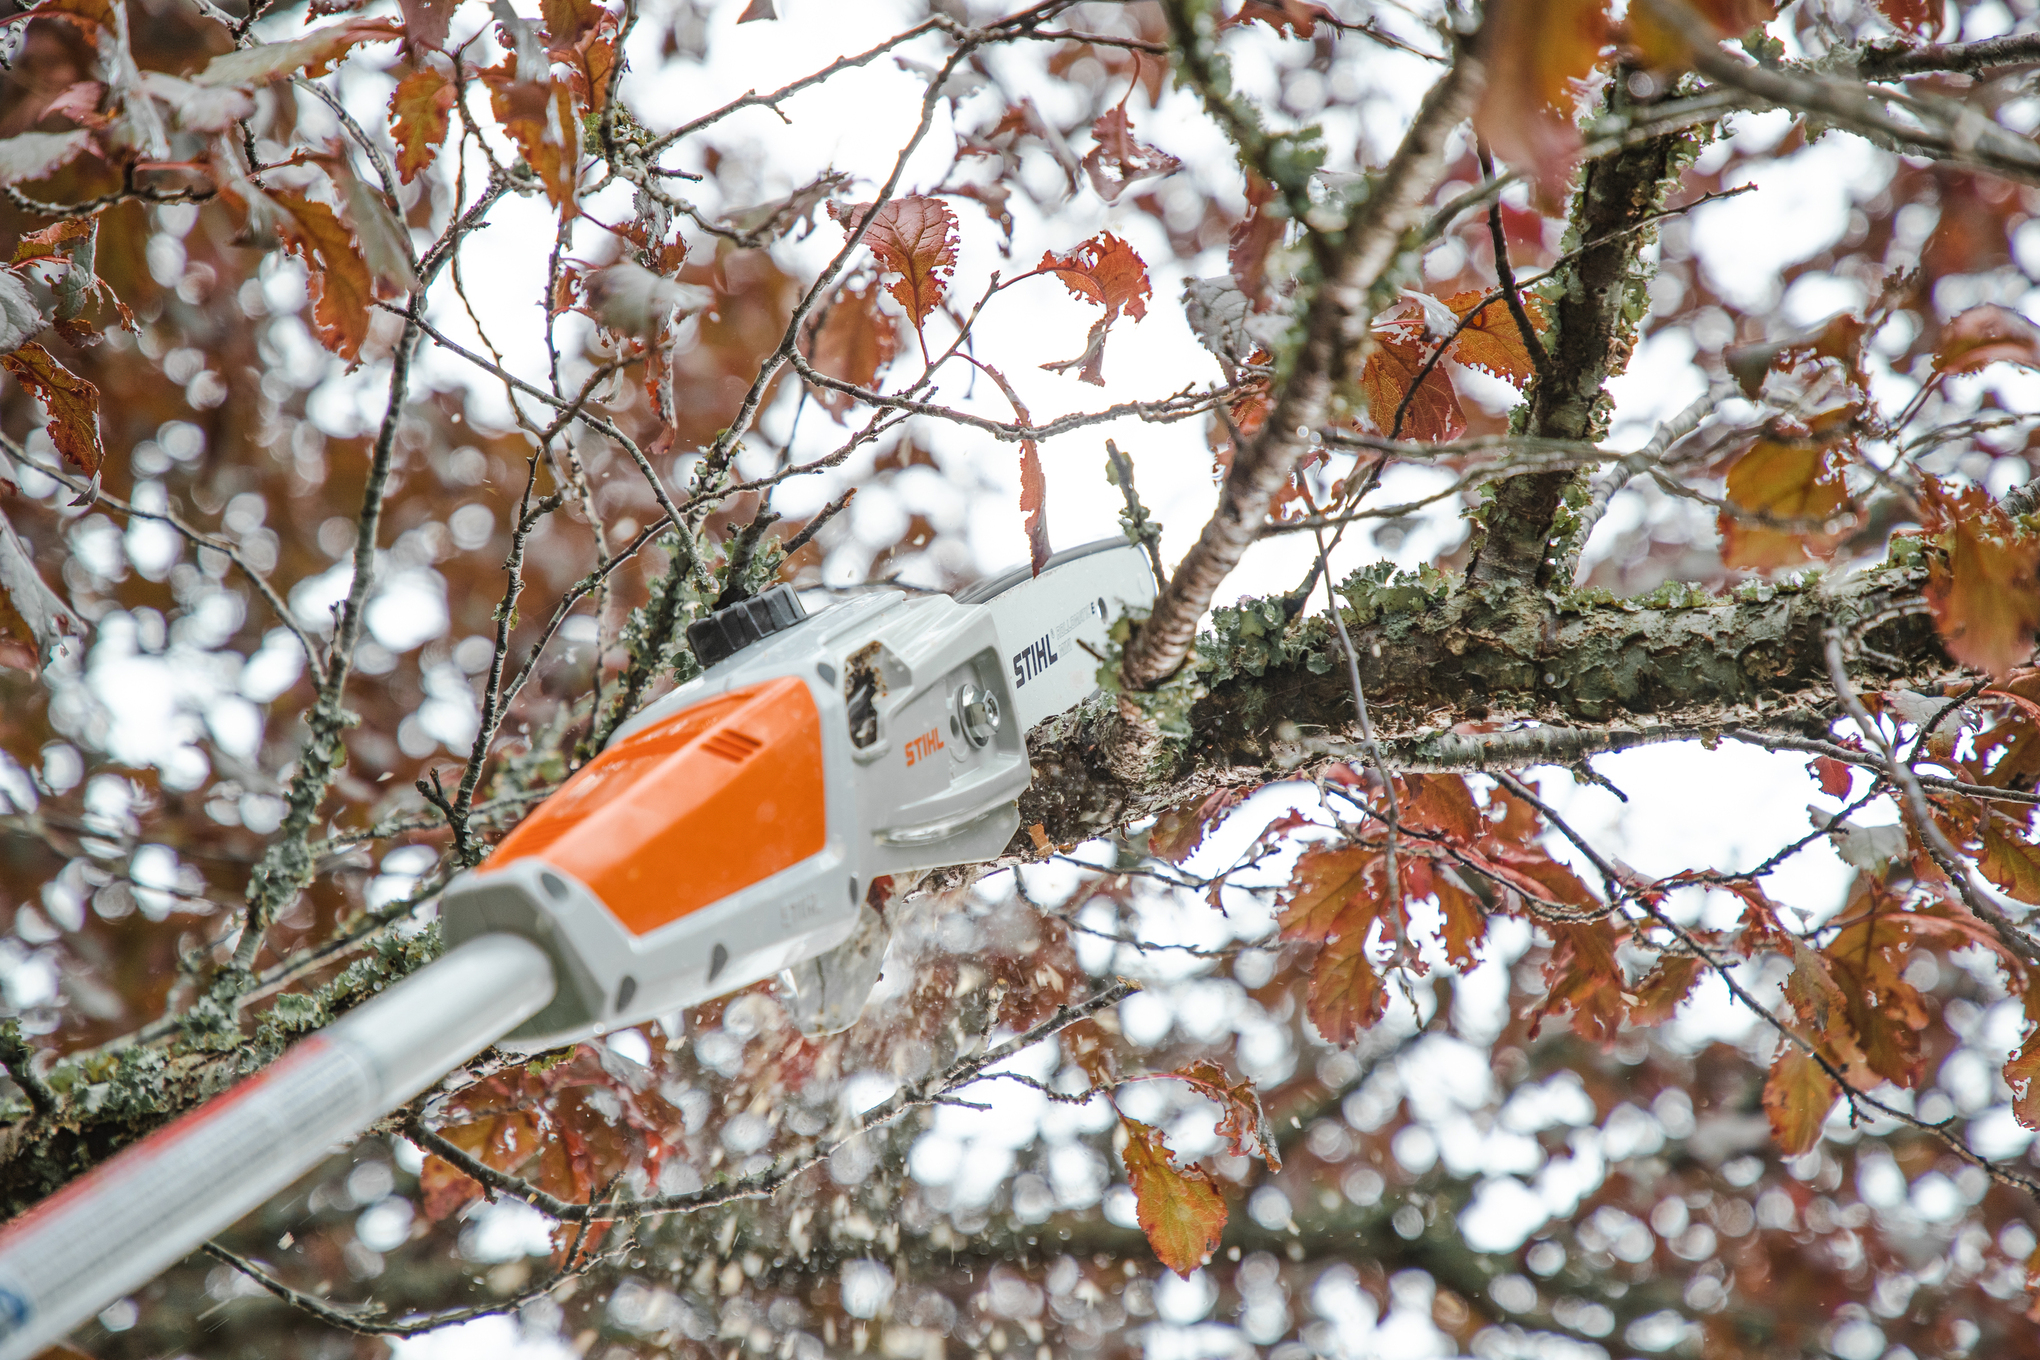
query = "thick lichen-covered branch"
{"x": 1601, "y": 299}
{"x": 1457, "y": 682}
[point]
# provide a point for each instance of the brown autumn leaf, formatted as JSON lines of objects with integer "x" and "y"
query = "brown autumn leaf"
{"x": 420, "y": 108}
{"x": 1985, "y": 596}
{"x": 312, "y": 55}
{"x": 1834, "y": 777}
{"x": 1661, "y": 47}
{"x": 855, "y": 343}
{"x": 1179, "y": 1208}
{"x": 1433, "y": 414}
{"x": 913, "y": 236}
{"x": 1583, "y": 976}
{"x": 1107, "y": 271}
{"x": 1244, "y": 1124}
{"x": 34, "y": 620}
{"x": 2022, "y": 1074}
{"x": 1797, "y": 1097}
{"x": 1663, "y": 988}
{"x": 1492, "y": 341}
{"x": 342, "y": 289}
{"x": 1986, "y": 335}
{"x": 2008, "y": 859}
{"x": 426, "y": 22}
{"x": 1120, "y": 160}
{"x": 1785, "y": 480}
{"x": 72, "y": 405}
{"x": 1178, "y": 832}
{"x": 539, "y": 116}
{"x": 1346, "y": 993}
{"x": 31, "y": 155}
{"x": 1538, "y": 51}
{"x": 1033, "y": 481}
{"x": 1915, "y": 18}
{"x": 1296, "y": 18}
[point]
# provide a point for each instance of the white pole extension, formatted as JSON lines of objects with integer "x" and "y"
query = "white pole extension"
{"x": 116, "y": 1228}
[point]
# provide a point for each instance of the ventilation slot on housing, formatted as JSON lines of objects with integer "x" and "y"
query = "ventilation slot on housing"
{"x": 733, "y": 745}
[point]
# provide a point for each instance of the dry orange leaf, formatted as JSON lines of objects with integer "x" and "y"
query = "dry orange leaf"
{"x": 71, "y": 403}
{"x": 1986, "y": 595}
{"x": 419, "y": 109}
{"x": 1120, "y": 159}
{"x": 855, "y": 342}
{"x": 1537, "y": 51}
{"x": 343, "y": 292}
{"x": 1492, "y": 341}
{"x": 1433, "y": 414}
{"x": 1986, "y": 335}
{"x": 1786, "y": 480}
{"x": 1179, "y": 1208}
{"x": 1797, "y": 1097}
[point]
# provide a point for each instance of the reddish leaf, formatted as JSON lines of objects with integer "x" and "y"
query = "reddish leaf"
{"x": 1179, "y": 1208}
{"x": 71, "y": 403}
{"x": 1537, "y": 51}
{"x": 34, "y": 621}
{"x": 1244, "y": 1124}
{"x": 1795, "y": 480}
{"x": 1179, "y": 831}
{"x": 2008, "y": 859}
{"x": 1346, "y": 994}
{"x": 1119, "y": 160}
{"x": 1918, "y": 18}
{"x": 1662, "y": 990}
{"x": 1797, "y": 1097}
{"x": 915, "y": 238}
{"x": 420, "y": 107}
{"x": 855, "y": 342}
{"x": 31, "y": 155}
{"x": 1492, "y": 341}
{"x": 539, "y": 117}
{"x": 426, "y": 22}
{"x": 1661, "y": 47}
{"x": 757, "y": 10}
{"x": 1104, "y": 270}
{"x": 342, "y": 290}
{"x": 992, "y": 198}
{"x": 1985, "y": 596}
{"x": 1336, "y": 892}
{"x": 2022, "y": 1074}
{"x": 312, "y": 55}
{"x": 1033, "y": 482}
{"x": 1986, "y": 335}
{"x": 1465, "y": 920}
{"x": 1297, "y": 18}
{"x": 1434, "y": 414}
{"x": 1256, "y": 234}
{"x": 1585, "y": 978}
{"x": 1834, "y": 777}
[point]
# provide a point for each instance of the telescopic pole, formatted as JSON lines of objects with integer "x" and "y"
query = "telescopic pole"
{"x": 119, "y": 1226}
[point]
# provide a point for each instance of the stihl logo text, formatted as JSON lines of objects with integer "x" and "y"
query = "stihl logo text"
{"x": 1032, "y": 660}
{"x": 922, "y": 747}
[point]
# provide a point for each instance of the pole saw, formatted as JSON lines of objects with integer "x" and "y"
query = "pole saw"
{"x": 729, "y": 833}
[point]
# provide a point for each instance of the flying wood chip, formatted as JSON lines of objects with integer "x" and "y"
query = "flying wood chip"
{"x": 1179, "y": 1208}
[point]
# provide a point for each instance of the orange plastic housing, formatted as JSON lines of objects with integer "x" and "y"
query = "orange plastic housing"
{"x": 689, "y": 810}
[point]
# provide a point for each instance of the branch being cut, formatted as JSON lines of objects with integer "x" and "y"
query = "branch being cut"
{"x": 1336, "y": 340}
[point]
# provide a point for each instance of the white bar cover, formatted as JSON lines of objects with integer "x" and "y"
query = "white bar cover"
{"x": 119, "y": 1226}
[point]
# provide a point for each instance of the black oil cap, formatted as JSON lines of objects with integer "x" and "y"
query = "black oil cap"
{"x": 728, "y": 631}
